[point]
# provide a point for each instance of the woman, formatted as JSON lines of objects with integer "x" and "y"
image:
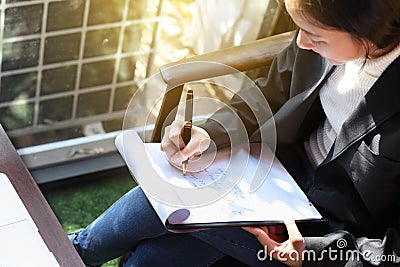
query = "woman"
{"x": 335, "y": 97}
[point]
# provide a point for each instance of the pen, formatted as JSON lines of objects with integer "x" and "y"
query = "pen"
{"x": 187, "y": 128}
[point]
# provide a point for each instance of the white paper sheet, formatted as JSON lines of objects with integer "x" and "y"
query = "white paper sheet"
{"x": 278, "y": 198}
{"x": 21, "y": 244}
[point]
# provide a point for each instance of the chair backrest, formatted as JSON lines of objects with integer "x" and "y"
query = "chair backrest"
{"x": 244, "y": 57}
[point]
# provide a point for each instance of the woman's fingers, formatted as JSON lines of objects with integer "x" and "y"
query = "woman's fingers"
{"x": 199, "y": 142}
{"x": 277, "y": 232}
{"x": 175, "y": 134}
{"x": 289, "y": 251}
{"x": 295, "y": 237}
{"x": 174, "y": 147}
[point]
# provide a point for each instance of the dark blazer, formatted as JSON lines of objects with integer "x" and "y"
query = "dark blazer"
{"x": 357, "y": 187}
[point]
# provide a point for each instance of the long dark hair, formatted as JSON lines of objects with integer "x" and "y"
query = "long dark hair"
{"x": 375, "y": 20}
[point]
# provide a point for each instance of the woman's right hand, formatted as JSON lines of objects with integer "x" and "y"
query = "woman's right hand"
{"x": 174, "y": 147}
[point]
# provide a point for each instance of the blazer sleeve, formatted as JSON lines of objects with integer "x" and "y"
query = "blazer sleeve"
{"x": 341, "y": 248}
{"x": 275, "y": 88}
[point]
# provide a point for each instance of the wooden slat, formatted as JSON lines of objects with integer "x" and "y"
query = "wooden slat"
{"x": 49, "y": 227}
{"x": 244, "y": 57}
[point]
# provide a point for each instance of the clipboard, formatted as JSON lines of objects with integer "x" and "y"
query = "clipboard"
{"x": 278, "y": 198}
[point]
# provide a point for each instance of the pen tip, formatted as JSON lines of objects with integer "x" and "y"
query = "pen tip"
{"x": 184, "y": 168}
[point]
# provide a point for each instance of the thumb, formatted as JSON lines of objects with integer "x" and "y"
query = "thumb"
{"x": 294, "y": 234}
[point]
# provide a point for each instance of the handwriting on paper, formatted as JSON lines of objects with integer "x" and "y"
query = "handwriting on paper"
{"x": 205, "y": 177}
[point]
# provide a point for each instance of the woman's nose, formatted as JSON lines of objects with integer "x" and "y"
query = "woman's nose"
{"x": 303, "y": 41}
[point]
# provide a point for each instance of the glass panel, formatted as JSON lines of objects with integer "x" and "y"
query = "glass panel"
{"x": 93, "y": 103}
{"x": 17, "y": 116}
{"x": 58, "y": 80}
{"x": 97, "y": 73}
{"x": 62, "y": 48}
{"x": 20, "y": 86}
{"x": 105, "y": 11}
{"x": 20, "y": 55}
{"x": 127, "y": 69}
{"x": 54, "y": 110}
{"x": 131, "y": 35}
{"x": 123, "y": 96}
{"x": 136, "y": 9}
{"x": 101, "y": 42}
{"x": 23, "y": 20}
{"x": 59, "y": 11}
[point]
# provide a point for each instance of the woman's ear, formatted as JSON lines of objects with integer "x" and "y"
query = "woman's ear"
{"x": 369, "y": 47}
{"x": 374, "y": 51}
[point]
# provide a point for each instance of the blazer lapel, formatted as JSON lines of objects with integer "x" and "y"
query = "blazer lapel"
{"x": 282, "y": 127}
{"x": 379, "y": 104}
{"x": 290, "y": 118}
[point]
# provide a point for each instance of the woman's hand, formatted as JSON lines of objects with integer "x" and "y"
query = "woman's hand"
{"x": 272, "y": 238}
{"x": 173, "y": 146}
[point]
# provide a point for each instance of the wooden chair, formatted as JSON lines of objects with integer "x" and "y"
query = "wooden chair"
{"x": 245, "y": 57}
{"x": 249, "y": 56}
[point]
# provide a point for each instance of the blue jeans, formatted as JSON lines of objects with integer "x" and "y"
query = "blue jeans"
{"x": 131, "y": 225}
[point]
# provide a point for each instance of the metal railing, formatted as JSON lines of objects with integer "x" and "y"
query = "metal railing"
{"x": 51, "y": 69}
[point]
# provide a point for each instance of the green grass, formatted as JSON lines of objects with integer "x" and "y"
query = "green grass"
{"x": 78, "y": 201}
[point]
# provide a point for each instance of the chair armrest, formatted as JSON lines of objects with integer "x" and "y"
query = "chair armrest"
{"x": 244, "y": 57}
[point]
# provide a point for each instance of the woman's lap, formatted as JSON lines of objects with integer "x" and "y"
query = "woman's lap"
{"x": 131, "y": 224}
{"x": 202, "y": 248}
{"x": 173, "y": 250}
{"x": 119, "y": 229}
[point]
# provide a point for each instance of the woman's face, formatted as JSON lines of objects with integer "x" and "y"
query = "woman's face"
{"x": 338, "y": 47}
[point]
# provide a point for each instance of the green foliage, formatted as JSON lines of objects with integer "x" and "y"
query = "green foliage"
{"x": 77, "y": 203}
